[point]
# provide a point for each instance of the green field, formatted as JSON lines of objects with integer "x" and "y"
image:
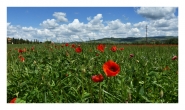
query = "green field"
{"x": 56, "y": 73}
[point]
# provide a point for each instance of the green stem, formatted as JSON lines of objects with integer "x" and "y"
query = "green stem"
{"x": 108, "y": 83}
{"x": 114, "y": 82}
{"x": 100, "y": 98}
{"x": 45, "y": 98}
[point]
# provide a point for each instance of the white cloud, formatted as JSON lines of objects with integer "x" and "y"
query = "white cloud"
{"x": 88, "y": 18}
{"x": 96, "y": 29}
{"x": 164, "y": 25}
{"x": 161, "y": 23}
{"x": 97, "y": 19}
{"x": 135, "y": 30}
{"x": 75, "y": 26}
{"x": 60, "y": 16}
{"x": 28, "y": 28}
{"x": 157, "y": 12}
{"x": 126, "y": 18}
{"x": 113, "y": 25}
{"x": 141, "y": 24}
{"x": 49, "y": 24}
{"x": 117, "y": 29}
{"x": 8, "y": 24}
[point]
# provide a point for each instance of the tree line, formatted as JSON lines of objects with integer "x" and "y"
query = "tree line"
{"x": 35, "y": 41}
{"x": 167, "y": 41}
{"x": 22, "y": 41}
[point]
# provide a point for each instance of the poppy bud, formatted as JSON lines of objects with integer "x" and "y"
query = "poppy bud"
{"x": 131, "y": 55}
{"x": 161, "y": 93}
{"x": 83, "y": 70}
{"x": 129, "y": 96}
{"x": 174, "y": 58}
{"x": 97, "y": 78}
{"x": 13, "y": 100}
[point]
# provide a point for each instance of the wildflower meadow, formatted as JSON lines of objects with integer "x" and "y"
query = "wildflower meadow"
{"x": 92, "y": 73}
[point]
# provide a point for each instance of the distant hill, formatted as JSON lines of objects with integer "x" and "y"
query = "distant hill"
{"x": 133, "y": 39}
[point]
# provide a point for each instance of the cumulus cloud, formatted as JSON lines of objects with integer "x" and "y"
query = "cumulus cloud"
{"x": 159, "y": 23}
{"x": 49, "y": 23}
{"x": 134, "y": 32}
{"x": 113, "y": 25}
{"x": 60, "y": 16}
{"x": 117, "y": 28}
{"x": 126, "y": 18}
{"x": 76, "y": 26}
{"x": 165, "y": 24}
{"x": 156, "y": 12}
{"x": 27, "y": 29}
{"x": 13, "y": 30}
{"x": 141, "y": 24}
{"x": 88, "y": 18}
{"x": 96, "y": 20}
{"x": 20, "y": 32}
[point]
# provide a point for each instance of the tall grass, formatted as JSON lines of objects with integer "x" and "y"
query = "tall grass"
{"x": 54, "y": 73}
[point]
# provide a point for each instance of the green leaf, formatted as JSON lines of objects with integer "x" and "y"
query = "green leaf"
{"x": 36, "y": 71}
{"x": 85, "y": 94}
{"x": 141, "y": 91}
{"x": 18, "y": 100}
{"x": 152, "y": 73}
{"x": 158, "y": 85}
{"x": 141, "y": 82}
{"x": 146, "y": 99}
{"x": 53, "y": 83}
{"x": 111, "y": 95}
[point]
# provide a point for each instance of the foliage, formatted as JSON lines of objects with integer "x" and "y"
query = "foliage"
{"x": 55, "y": 73}
{"x": 22, "y": 41}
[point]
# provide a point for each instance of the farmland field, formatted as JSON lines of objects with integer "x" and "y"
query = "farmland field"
{"x": 92, "y": 73}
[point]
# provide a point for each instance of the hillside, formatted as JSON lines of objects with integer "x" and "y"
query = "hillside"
{"x": 133, "y": 39}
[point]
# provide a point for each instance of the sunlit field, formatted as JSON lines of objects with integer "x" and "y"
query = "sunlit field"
{"x": 92, "y": 73}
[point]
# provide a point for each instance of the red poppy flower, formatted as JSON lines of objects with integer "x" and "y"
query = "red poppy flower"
{"x": 20, "y": 51}
{"x": 121, "y": 48}
{"x": 13, "y": 100}
{"x": 78, "y": 50}
{"x": 131, "y": 55}
{"x": 32, "y": 48}
{"x": 113, "y": 48}
{"x": 21, "y": 58}
{"x": 66, "y": 44}
{"x": 101, "y": 47}
{"x": 111, "y": 68}
{"x": 73, "y": 46}
{"x": 97, "y": 78}
{"x": 174, "y": 58}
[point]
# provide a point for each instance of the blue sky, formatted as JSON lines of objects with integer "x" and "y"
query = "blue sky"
{"x": 65, "y": 24}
